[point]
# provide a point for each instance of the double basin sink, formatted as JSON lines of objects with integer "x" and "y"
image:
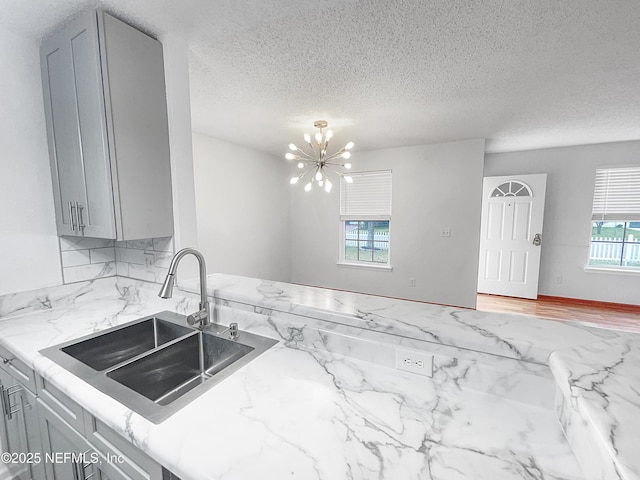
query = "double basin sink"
{"x": 157, "y": 364}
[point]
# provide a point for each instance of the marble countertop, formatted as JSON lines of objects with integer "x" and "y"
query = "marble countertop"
{"x": 598, "y": 369}
{"x": 311, "y": 414}
{"x": 601, "y": 381}
{"x": 514, "y": 336}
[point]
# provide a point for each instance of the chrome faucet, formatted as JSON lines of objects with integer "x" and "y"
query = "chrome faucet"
{"x": 201, "y": 317}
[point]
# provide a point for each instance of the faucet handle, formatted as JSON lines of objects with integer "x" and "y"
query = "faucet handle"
{"x": 199, "y": 318}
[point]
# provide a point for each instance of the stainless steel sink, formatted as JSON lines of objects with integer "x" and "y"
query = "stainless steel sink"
{"x": 117, "y": 346}
{"x": 156, "y": 365}
{"x": 168, "y": 373}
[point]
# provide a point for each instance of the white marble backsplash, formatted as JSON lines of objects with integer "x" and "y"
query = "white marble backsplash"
{"x": 48, "y": 298}
{"x": 91, "y": 258}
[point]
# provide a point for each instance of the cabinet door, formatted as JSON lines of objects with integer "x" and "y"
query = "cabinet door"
{"x": 20, "y": 432}
{"x": 133, "y": 75}
{"x": 76, "y": 124}
{"x": 126, "y": 458}
{"x": 66, "y": 454}
{"x": 13, "y": 433}
{"x": 32, "y": 426}
{"x": 62, "y": 130}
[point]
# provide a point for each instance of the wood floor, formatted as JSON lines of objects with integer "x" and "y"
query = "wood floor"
{"x": 606, "y": 315}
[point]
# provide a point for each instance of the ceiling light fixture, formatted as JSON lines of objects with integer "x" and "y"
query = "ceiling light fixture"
{"x": 318, "y": 162}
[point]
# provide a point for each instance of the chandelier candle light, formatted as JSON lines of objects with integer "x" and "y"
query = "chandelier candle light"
{"x": 318, "y": 162}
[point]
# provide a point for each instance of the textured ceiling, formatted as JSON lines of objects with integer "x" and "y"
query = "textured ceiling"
{"x": 523, "y": 74}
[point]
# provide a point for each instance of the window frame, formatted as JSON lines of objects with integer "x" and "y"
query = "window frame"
{"x": 343, "y": 238}
{"x": 623, "y": 241}
{"x": 615, "y": 201}
{"x": 352, "y": 209}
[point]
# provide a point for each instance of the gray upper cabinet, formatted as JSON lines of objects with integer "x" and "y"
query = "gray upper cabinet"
{"x": 106, "y": 111}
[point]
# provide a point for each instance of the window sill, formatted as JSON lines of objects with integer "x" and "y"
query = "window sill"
{"x": 365, "y": 266}
{"x": 613, "y": 270}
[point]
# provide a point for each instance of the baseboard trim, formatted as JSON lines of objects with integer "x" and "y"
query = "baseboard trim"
{"x": 580, "y": 302}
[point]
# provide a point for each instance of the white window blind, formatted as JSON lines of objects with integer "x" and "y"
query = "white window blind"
{"x": 369, "y": 195}
{"x": 616, "y": 195}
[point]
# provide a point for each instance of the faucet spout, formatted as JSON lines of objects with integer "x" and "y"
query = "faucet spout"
{"x": 202, "y": 317}
{"x": 167, "y": 287}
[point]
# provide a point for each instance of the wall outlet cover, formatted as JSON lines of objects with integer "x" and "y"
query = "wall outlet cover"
{"x": 414, "y": 361}
{"x": 149, "y": 259}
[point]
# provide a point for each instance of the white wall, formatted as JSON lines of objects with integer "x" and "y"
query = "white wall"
{"x": 567, "y": 221}
{"x": 434, "y": 186}
{"x": 242, "y": 205}
{"x": 176, "y": 72}
{"x": 29, "y": 251}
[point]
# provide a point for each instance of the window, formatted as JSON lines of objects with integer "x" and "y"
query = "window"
{"x": 512, "y": 188}
{"x": 365, "y": 215}
{"x": 366, "y": 241}
{"x": 615, "y": 244}
{"x": 615, "y": 228}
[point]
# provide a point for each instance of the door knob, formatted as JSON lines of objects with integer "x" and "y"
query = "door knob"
{"x": 537, "y": 239}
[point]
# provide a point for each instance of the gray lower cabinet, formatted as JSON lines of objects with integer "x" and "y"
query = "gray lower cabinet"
{"x": 68, "y": 456}
{"x": 21, "y": 435}
{"x": 105, "y": 106}
{"x": 92, "y": 449}
{"x": 19, "y": 429}
{"x": 51, "y": 437}
{"x": 63, "y": 448}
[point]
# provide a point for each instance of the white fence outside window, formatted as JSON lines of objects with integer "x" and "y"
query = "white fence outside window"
{"x": 381, "y": 239}
{"x": 601, "y": 250}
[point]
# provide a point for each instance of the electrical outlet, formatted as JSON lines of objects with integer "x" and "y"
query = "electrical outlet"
{"x": 557, "y": 279}
{"x": 149, "y": 260}
{"x": 445, "y": 232}
{"x": 414, "y": 361}
{"x": 412, "y": 282}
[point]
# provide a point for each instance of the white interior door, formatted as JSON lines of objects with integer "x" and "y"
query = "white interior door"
{"x": 510, "y": 242}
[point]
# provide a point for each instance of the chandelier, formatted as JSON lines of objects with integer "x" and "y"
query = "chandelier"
{"x": 317, "y": 162}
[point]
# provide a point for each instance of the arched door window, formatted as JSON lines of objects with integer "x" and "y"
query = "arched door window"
{"x": 512, "y": 188}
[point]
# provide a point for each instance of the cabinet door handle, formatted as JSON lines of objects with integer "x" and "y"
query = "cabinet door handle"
{"x": 79, "y": 209}
{"x": 82, "y": 467}
{"x": 7, "y": 408}
{"x": 72, "y": 216}
{"x": 74, "y": 469}
{"x": 5, "y": 400}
